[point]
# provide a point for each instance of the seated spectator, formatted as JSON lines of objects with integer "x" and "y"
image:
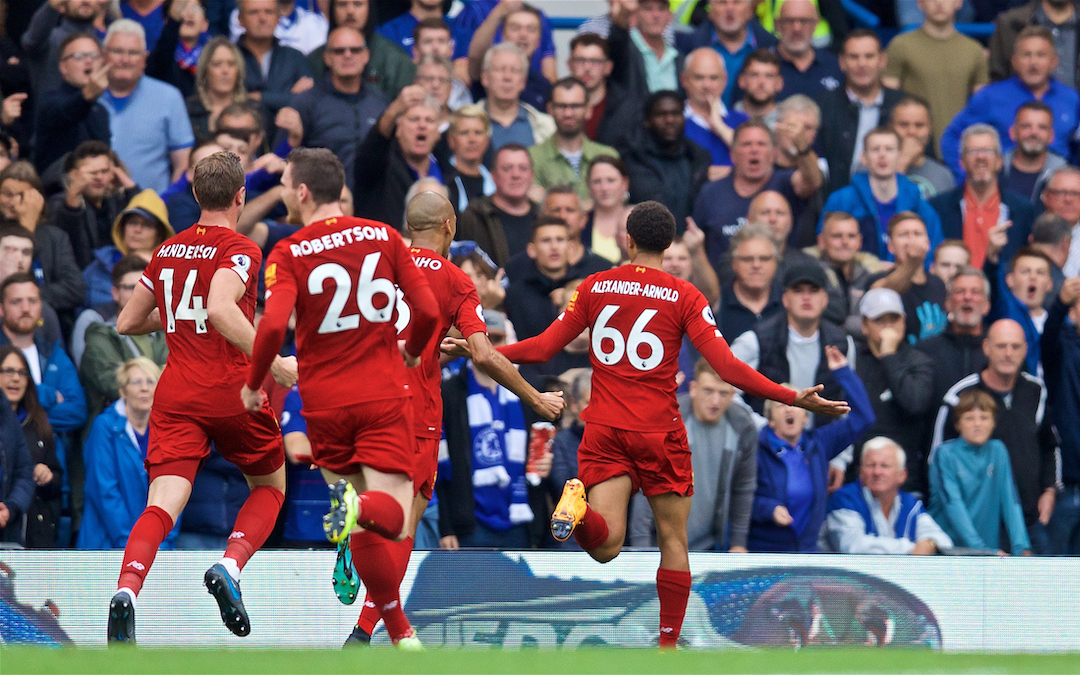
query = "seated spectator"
{"x": 285, "y": 72}
{"x": 436, "y": 75}
{"x": 339, "y": 110}
{"x": 771, "y": 209}
{"x": 1022, "y": 424}
{"x": 1058, "y": 18}
{"x": 17, "y": 487}
{"x": 1061, "y": 197}
{"x": 16, "y": 257}
{"x": 297, "y": 27}
{"x": 804, "y": 69}
{"x": 1034, "y": 61}
{"x": 1061, "y": 360}
{"x": 151, "y": 132}
{"x": 219, "y": 82}
{"x": 513, "y": 119}
{"x": 662, "y": 164}
{"x": 502, "y": 224}
{"x": 1021, "y": 293}
{"x": 565, "y": 157}
{"x": 389, "y": 69}
{"x": 847, "y": 268}
{"x": 175, "y": 56}
{"x": 1052, "y": 235}
{"x": 872, "y": 515}
{"x": 911, "y": 120}
{"x": 950, "y": 256}
{"x": 641, "y": 42}
{"x": 522, "y": 26}
{"x": 754, "y": 293}
{"x": 789, "y": 502}
{"x": 923, "y": 294}
{"x": 971, "y": 210}
{"x": 468, "y": 138}
{"x": 562, "y": 202}
{"x": 797, "y": 122}
{"x": 709, "y": 123}
{"x": 613, "y": 110}
{"x": 469, "y": 21}
{"x": 722, "y": 438}
{"x": 958, "y": 351}
{"x": 125, "y": 273}
{"x": 1030, "y": 163}
{"x": 609, "y": 185}
{"x": 53, "y": 263}
{"x": 43, "y": 512}
{"x": 433, "y": 37}
{"x": 71, "y": 113}
{"x": 972, "y": 510}
{"x": 760, "y": 83}
{"x": 115, "y": 452}
{"x": 48, "y": 28}
{"x": 485, "y": 275}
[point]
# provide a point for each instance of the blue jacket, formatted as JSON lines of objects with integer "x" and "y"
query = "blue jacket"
{"x": 116, "y": 483}
{"x": 1061, "y": 364}
{"x": 1005, "y": 305}
{"x": 16, "y": 475}
{"x": 98, "y": 276}
{"x": 1020, "y": 212}
{"x": 818, "y": 445}
{"x": 857, "y": 200}
{"x": 996, "y": 104}
{"x": 851, "y": 497}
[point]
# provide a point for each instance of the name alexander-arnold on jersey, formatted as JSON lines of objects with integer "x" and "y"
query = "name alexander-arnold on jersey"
{"x": 349, "y": 235}
{"x": 635, "y": 288}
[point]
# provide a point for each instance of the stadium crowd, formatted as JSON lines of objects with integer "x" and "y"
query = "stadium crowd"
{"x": 897, "y": 220}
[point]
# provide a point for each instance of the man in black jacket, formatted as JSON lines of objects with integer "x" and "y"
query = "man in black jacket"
{"x": 287, "y": 73}
{"x": 957, "y": 352}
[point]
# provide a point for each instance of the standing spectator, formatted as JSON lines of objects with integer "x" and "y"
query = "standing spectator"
{"x": 273, "y": 72}
{"x": 1053, "y": 236}
{"x": 970, "y": 210}
{"x": 789, "y": 503}
{"x": 1061, "y": 359}
{"x": 1061, "y": 197}
{"x": 71, "y": 113}
{"x": 16, "y": 479}
{"x": 432, "y": 37}
{"x": 873, "y": 198}
{"x": 151, "y": 132}
{"x": 175, "y": 57}
{"x": 709, "y": 122}
{"x": 872, "y": 515}
{"x": 522, "y": 25}
{"x": 804, "y": 69}
{"x": 911, "y": 120}
{"x": 399, "y": 30}
{"x": 950, "y": 256}
{"x": 958, "y": 350}
{"x": 754, "y": 294}
{"x": 847, "y": 267}
{"x": 51, "y": 23}
{"x": 723, "y": 449}
{"x": 1057, "y": 17}
{"x": 613, "y": 110}
{"x": 150, "y": 14}
{"x": 760, "y": 83}
{"x": 468, "y": 22}
{"x": 849, "y": 113}
{"x": 43, "y": 514}
{"x": 923, "y": 294}
{"x": 663, "y": 165}
{"x": 219, "y": 82}
{"x": 609, "y": 186}
{"x": 1020, "y": 293}
{"x": 1022, "y": 424}
{"x": 1030, "y": 163}
{"x": 97, "y": 325}
{"x": 642, "y": 56}
{"x": 502, "y": 224}
{"x": 529, "y": 303}
{"x": 468, "y": 138}
{"x": 513, "y": 120}
{"x": 565, "y": 157}
{"x": 1034, "y": 61}
{"x": 937, "y": 63}
{"x": 296, "y": 27}
{"x": 971, "y": 509}
{"x": 562, "y": 202}
{"x": 798, "y": 120}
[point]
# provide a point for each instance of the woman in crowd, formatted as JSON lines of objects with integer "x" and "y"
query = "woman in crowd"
{"x": 219, "y": 82}
{"x": 609, "y": 188}
{"x": 468, "y": 137}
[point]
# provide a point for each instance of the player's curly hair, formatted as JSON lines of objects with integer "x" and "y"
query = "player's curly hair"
{"x": 652, "y": 226}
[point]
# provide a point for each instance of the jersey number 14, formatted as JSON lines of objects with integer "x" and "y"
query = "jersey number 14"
{"x": 189, "y": 309}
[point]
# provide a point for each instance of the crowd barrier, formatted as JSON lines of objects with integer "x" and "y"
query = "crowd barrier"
{"x": 557, "y": 600}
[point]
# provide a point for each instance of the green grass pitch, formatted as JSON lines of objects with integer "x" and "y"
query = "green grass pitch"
{"x": 621, "y": 661}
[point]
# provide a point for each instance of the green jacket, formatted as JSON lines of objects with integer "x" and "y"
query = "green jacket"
{"x": 390, "y": 68}
{"x": 552, "y": 168}
{"x": 105, "y": 351}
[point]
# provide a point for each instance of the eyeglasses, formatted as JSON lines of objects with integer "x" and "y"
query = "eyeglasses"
{"x": 11, "y": 372}
{"x": 82, "y": 56}
{"x": 130, "y": 53}
{"x": 582, "y": 61}
{"x": 750, "y": 259}
{"x": 431, "y": 79}
{"x": 338, "y": 51}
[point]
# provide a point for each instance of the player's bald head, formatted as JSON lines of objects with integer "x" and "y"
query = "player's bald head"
{"x": 427, "y": 211}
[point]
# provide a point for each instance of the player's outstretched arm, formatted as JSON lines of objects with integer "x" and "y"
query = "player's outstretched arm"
{"x": 810, "y": 400}
{"x": 548, "y": 405}
{"x": 140, "y": 316}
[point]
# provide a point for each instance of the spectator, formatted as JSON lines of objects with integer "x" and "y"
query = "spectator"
{"x": 305, "y": 496}
{"x": 1022, "y": 424}
{"x": 1061, "y": 359}
{"x": 642, "y": 56}
{"x": 972, "y": 510}
{"x": 529, "y": 304}
{"x": 502, "y": 223}
{"x": 612, "y": 109}
{"x": 150, "y": 14}
{"x": 721, "y": 207}
{"x": 609, "y": 187}
{"x": 733, "y": 32}
{"x": 485, "y": 275}
{"x": 958, "y": 351}
{"x": 937, "y": 63}
{"x": 1021, "y": 293}
{"x": 71, "y": 113}
{"x": 468, "y": 22}
{"x": 181, "y": 205}
{"x": 436, "y": 75}
{"x": 513, "y": 120}
{"x": 9, "y": 150}
{"x": 804, "y": 69}
{"x": 273, "y": 72}
{"x": 1057, "y": 17}
{"x": 1053, "y": 236}
{"x": 16, "y": 479}
{"x": 389, "y": 69}
{"x": 1061, "y": 196}
{"x": 970, "y": 210}
{"x": 468, "y": 138}
{"x": 48, "y": 28}
{"x": 690, "y": 264}
{"x": 175, "y": 56}
{"x": 151, "y": 132}
{"x": 563, "y": 203}
{"x": 116, "y": 480}
{"x": 339, "y": 111}
{"x": 296, "y": 27}
{"x": 433, "y": 37}
{"x": 522, "y": 25}
{"x": 798, "y": 120}
{"x": 847, "y": 268}
{"x": 43, "y": 514}
{"x": 875, "y": 197}
{"x": 1030, "y": 163}
{"x": 219, "y": 82}
{"x": 771, "y": 209}
{"x": 752, "y": 295}
{"x": 872, "y": 515}
{"x": 923, "y": 294}
{"x": 16, "y": 257}
{"x": 662, "y": 164}
{"x": 709, "y": 123}
{"x": 760, "y": 83}
{"x": 950, "y": 256}
{"x": 106, "y": 312}
{"x": 399, "y": 30}
{"x": 1034, "y": 61}
{"x": 911, "y": 120}
{"x": 789, "y": 503}
{"x": 722, "y": 438}
{"x": 565, "y": 157}
{"x": 53, "y": 263}
{"x": 564, "y": 464}
{"x": 396, "y": 153}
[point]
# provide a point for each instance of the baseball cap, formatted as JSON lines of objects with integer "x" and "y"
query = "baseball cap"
{"x": 809, "y": 273}
{"x": 495, "y": 320}
{"x": 881, "y": 301}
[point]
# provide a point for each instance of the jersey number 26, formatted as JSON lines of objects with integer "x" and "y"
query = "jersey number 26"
{"x": 367, "y": 287}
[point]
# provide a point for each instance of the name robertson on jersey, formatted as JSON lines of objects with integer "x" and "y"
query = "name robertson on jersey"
{"x": 187, "y": 251}
{"x": 636, "y": 288}
{"x": 338, "y": 239}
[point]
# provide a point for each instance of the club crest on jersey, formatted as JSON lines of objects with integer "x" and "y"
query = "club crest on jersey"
{"x": 706, "y": 313}
{"x": 573, "y": 301}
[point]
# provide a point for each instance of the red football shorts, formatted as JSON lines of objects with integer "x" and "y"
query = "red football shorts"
{"x": 179, "y": 444}
{"x": 377, "y": 434}
{"x": 657, "y": 462}
{"x": 426, "y": 466}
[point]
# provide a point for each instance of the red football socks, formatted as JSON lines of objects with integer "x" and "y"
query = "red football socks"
{"x": 254, "y": 523}
{"x": 592, "y": 532}
{"x": 673, "y": 588}
{"x": 376, "y": 566}
{"x": 380, "y": 513}
{"x": 400, "y": 551}
{"x": 146, "y": 536}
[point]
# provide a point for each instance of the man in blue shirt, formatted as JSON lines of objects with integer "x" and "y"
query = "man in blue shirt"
{"x": 150, "y": 14}
{"x": 709, "y": 123}
{"x": 400, "y": 30}
{"x": 475, "y": 13}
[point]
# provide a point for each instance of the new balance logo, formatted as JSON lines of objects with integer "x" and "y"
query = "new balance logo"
{"x": 369, "y": 603}
{"x": 137, "y": 565}
{"x": 667, "y": 629}
{"x": 390, "y": 606}
{"x": 237, "y": 534}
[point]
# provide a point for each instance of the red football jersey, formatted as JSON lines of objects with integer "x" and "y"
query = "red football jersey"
{"x": 342, "y": 275}
{"x": 204, "y": 371}
{"x": 459, "y": 306}
{"x": 637, "y": 317}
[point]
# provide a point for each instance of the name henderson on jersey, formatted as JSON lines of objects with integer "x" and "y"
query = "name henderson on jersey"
{"x": 635, "y": 288}
{"x": 337, "y": 239}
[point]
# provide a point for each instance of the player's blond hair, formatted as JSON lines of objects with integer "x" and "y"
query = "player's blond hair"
{"x": 216, "y": 181}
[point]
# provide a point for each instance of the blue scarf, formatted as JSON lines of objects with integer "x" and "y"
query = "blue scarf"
{"x": 188, "y": 59}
